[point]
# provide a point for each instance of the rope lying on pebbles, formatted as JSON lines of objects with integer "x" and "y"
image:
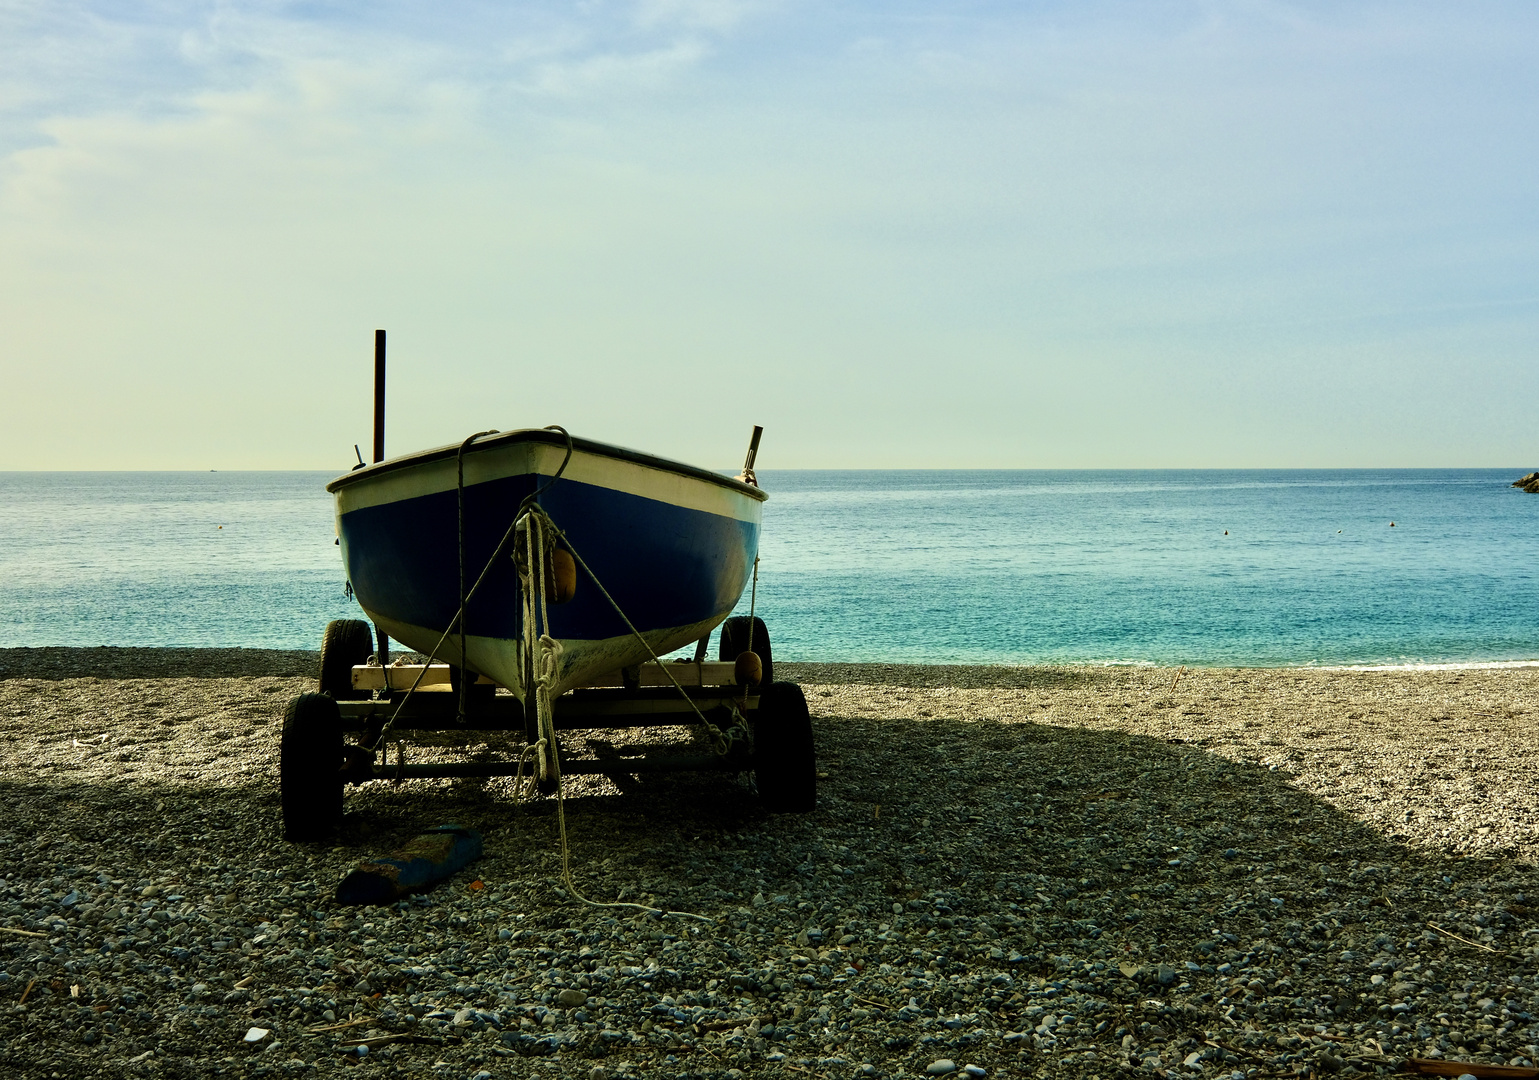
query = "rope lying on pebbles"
{"x": 1076, "y": 875}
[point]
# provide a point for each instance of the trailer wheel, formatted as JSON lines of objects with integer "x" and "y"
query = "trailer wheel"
{"x": 310, "y": 768}
{"x": 784, "y": 761}
{"x": 345, "y": 643}
{"x": 734, "y": 640}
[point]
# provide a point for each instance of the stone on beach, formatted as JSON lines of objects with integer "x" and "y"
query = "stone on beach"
{"x": 1051, "y": 842}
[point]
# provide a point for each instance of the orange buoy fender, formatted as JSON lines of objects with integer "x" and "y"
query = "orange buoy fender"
{"x": 749, "y": 669}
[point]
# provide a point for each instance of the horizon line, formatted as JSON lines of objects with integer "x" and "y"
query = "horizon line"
{"x": 880, "y": 468}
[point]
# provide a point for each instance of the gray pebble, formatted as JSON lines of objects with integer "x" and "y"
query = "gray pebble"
{"x": 1013, "y": 959}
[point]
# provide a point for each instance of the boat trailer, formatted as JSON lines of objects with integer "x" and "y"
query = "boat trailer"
{"x": 339, "y": 735}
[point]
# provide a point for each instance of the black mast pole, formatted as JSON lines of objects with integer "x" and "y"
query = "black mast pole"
{"x": 379, "y": 395}
{"x": 379, "y": 455}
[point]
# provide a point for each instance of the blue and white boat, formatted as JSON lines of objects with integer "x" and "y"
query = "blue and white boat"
{"x": 673, "y": 544}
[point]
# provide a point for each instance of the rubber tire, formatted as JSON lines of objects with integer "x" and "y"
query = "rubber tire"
{"x": 310, "y": 768}
{"x": 734, "y": 639}
{"x": 785, "y": 762}
{"x": 346, "y": 643}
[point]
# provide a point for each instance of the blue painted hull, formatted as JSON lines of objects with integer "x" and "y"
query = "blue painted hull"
{"x": 673, "y": 545}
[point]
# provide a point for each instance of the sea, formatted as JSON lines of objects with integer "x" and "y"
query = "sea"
{"x": 1251, "y": 568}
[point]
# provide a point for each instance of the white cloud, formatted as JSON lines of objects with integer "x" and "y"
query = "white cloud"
{"x": 649, "y": 69}
{"x": 718, "y": 15}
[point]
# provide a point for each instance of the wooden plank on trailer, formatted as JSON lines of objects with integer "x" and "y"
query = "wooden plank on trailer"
{"x": 685, "y": 672}
{"x": 402, "y": 676}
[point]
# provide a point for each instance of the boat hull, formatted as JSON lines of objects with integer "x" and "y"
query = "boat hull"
{"x": 672, "y": 544}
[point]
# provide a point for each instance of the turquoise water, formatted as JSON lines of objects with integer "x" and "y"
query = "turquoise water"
{"x": 981, "y": 566}
{"x": 1097, "y": 567}
{"x": 168, "y": 558}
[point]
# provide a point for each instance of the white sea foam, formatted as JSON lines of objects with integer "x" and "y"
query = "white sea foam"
{"x": 1467, "y": 665}
{"x": 1473, "y": 665}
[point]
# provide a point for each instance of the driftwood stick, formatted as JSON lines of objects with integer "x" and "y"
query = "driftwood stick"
{"x": 1429, "y": 1067}
{"x": 399, "y": 1036}
{"x": 1456, "y": 937}
{"x": 726, "y": 1025}
{"x": 339, "y": 1027}
{"x": 1237, "y": 1050}
{"x": 23, "y": 933}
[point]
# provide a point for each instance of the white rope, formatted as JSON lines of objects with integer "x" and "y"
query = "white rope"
{"x": 753, "y": 599}
{"x": 544, "y": 670}
{"x": 546, "y": 673}
{"x": 542, "y": 651}
{"x": 465, "y": 600}
{"x": 719, "y": 741}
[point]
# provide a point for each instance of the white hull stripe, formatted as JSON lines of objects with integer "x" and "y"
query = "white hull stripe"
{"x": 520, "y": 459}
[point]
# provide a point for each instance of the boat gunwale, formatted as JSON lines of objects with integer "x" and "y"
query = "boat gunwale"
{"x": 555, "y": 438}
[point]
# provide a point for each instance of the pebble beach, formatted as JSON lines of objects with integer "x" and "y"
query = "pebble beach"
{"x": 1012, "y": 872}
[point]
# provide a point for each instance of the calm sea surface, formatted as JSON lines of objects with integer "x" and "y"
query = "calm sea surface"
{"x": 1181, "y": 567}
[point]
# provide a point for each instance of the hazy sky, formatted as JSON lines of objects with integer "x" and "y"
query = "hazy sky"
{"x": 896, "y": 234}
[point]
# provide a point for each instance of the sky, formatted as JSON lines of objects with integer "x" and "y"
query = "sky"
{"x": 897, "y": 235}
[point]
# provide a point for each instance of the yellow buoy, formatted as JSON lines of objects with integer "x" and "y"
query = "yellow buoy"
{"x": 749, "y": 669}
